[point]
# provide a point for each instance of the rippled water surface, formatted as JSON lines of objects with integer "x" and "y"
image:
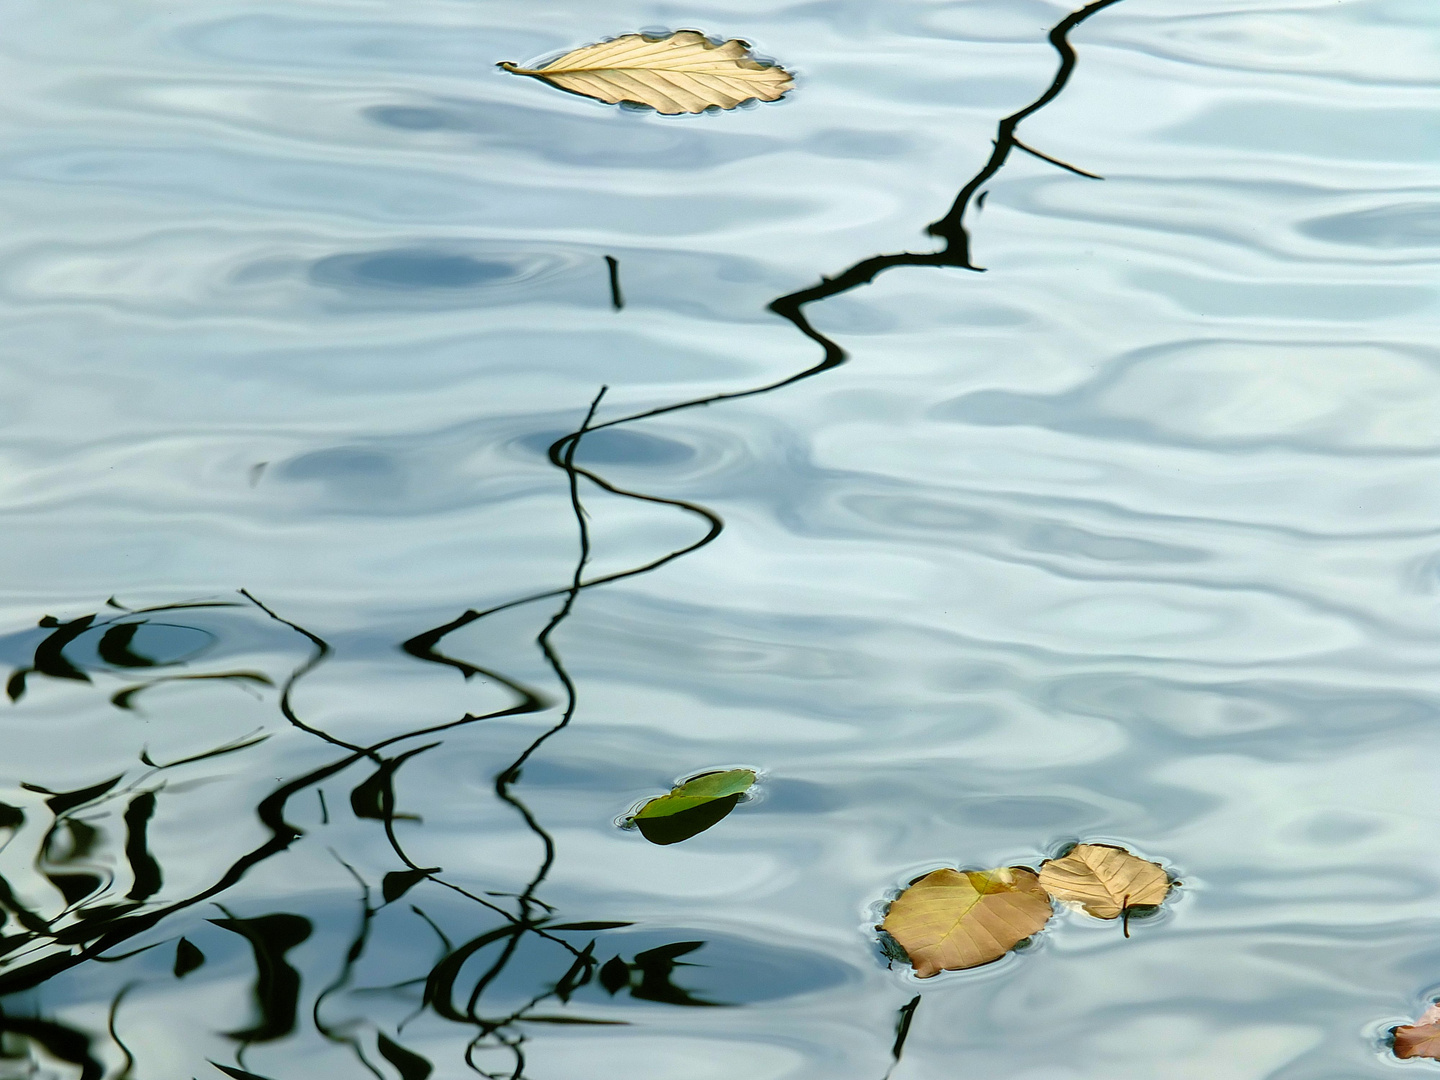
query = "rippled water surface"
{"x": 1131, "y": 538}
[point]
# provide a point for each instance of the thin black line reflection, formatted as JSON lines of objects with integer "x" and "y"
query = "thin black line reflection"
{"x": 107, "y": 929}
{"x": 950, "y": 228}
{"x": 955, "y": 255}
{"x": 617, "y": 299}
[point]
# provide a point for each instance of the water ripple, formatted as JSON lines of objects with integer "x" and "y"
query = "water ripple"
{"x": 1130, "y": 538}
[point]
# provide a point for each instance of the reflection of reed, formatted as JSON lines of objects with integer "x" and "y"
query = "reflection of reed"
{"x": 950, "y": 228}
{"x": 87, "y": 929}
{"x": 277, "y": 990}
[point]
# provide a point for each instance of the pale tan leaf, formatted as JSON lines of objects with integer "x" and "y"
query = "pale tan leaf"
{"x": 1420, "y": 1039}
{"x": 950, "y": 920}
{"x": 683, "y": 73}
{"x": 1104, "y": 880}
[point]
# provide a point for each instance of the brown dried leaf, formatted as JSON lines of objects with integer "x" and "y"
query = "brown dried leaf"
{"x": 683, "y": 73}
{"x": 1104, "y": 880}
{"x": 1422, "y": 1038}
{"x": 950, "y": 920}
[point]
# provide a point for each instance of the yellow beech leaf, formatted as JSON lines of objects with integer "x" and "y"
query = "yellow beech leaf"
{"x": 1420, "y": 1039}
{"x": 683, "y": 73}
{"x": 950, "y": 920}
{"x": 1104, "y": 880}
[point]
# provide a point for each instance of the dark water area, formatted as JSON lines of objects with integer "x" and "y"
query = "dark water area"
{"x": 1023, "y": 433}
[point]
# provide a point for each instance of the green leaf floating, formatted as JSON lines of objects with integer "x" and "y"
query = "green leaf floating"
{"x": 692, "y": 806}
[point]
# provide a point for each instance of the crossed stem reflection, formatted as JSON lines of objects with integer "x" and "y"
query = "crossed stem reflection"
{"x": 94, "y": 923}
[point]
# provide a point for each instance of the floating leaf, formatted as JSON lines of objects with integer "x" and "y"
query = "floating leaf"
{"x": 673, "y": 828}
{"x": 698, "y": 791}
{"x": 683, "y": 73}
{"x": 1420, "y": 1039}
{"x": 950, "y": 920}
{"x": 692, "y": 807}
{"x": 1105, "y": 880}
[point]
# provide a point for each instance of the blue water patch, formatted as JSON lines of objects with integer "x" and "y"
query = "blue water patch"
{"x": 408, "y": 269}
{"x": 616, "y": 446}
{"x": 348, "y": 472}
{"x": 1398, "y": 225}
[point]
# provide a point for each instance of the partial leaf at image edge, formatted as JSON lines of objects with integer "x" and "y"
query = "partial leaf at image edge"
{"x": 1420, "y": 1039}
{"x": 684, "y": 72}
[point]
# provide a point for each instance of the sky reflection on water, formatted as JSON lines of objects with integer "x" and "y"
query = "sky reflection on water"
{"x": 1130, "y": 538}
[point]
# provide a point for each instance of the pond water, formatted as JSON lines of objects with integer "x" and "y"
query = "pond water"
{"x": 1131, "y": 538}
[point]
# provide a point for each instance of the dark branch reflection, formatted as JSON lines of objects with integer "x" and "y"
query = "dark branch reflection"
{"x": 105, "y": 886}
